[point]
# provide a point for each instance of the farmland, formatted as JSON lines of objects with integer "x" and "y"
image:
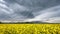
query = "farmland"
{"x": 29, "y": 28}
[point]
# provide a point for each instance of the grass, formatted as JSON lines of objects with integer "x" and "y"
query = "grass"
{"x": 29, "y": 28}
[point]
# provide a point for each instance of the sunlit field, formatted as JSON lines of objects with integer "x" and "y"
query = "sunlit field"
{"x": 29, "y": 28}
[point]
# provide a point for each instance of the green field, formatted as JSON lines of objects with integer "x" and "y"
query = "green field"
{"x": 29, "y": 28}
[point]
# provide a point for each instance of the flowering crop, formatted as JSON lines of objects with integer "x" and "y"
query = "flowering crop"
{"x": 29, "y": 28}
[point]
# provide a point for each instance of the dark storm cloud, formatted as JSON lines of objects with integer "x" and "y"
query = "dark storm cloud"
{"x": 26, "y": 9}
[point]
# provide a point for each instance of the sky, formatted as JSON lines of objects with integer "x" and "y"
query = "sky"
{"x": 30, "y": 10}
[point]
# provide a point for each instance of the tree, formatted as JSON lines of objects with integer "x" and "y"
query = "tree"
{"x": 0, "y": 22}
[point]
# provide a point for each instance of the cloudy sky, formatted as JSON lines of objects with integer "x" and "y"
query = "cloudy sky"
{"x": 30, "y": 10}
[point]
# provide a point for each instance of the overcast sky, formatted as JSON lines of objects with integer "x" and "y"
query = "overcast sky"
{"x": 29, "y": 9}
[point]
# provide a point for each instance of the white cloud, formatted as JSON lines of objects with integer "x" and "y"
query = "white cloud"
{"x": 3, "y": 5}
{"x": 47, "y": 14}
{"x": 5, "y": 8}
{"x": 53, "y": 20}
{"x": 2, "y": 1}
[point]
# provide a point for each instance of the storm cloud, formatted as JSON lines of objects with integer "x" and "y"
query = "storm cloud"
{"x": 29, "y": 10}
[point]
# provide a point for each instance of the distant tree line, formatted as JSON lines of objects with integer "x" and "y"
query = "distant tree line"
{"x": 17, "y": 22}
{"x": 21, "y": 22}
{"x": 0, "y": 22}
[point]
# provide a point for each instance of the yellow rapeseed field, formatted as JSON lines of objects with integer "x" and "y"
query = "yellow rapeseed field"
{"x": 29, "y": 28}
